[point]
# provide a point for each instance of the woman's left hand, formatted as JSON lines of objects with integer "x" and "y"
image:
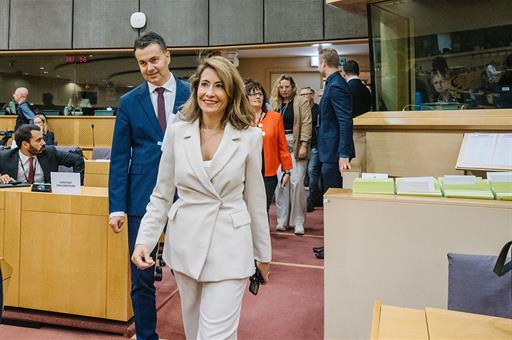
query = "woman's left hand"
{"x": 264, "y": 269}
{"x": 303, "y": 152}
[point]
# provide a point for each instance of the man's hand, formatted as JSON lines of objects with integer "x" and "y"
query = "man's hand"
{"x": 303, "y": 152}
{"x": 264, "y": 269}
{"x": 6, "y": 179}
{"x": 141, "y": 257}
{"x": 117, "y": 223}
{"x": 344, "y": 165}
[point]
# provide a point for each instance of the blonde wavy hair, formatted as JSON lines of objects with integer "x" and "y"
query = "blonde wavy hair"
{"x": 238, "y": 111}
{"x": 44, "y": 123}
{"x": 275, "y": 97}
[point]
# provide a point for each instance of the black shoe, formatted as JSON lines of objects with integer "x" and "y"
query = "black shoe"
{"x": 320, "y": 255}
{"x": 318, "y": 249}
{"x": 310, "y": 206}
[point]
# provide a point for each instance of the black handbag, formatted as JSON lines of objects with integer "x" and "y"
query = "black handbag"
{"x": 501, "y": 268}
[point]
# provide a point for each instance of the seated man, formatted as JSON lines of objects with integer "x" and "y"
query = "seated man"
{"x": 32, "y": 161}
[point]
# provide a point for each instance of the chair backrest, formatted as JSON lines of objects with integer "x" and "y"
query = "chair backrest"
{"x": 103, "y": 112}
{"x": 63, "y": 168}
{"x": 101, "y": 153}
{"x": 50, "y": 112}
{"x": 474, "y": 288}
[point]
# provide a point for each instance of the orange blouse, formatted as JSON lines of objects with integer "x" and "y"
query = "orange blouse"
{"x": 275, "y": 148}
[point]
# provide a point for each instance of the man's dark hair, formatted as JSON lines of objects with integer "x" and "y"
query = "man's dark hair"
{"x": 252, "y": 86}
{"x": 147, "y": 39}
{"x": 351, "y": 67}
{"x": 24, "y": 133}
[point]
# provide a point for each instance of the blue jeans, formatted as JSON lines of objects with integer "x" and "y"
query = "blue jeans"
{"x": 143, "y": 290}
{"x": 331, "y": 176}
{"x": 314, "y": 173}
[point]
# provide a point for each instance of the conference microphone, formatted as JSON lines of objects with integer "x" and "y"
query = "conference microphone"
{"x": 92, "y": 128}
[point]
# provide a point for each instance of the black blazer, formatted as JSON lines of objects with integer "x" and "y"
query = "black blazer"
{"x": 361, "y": 97}
{"x": 49, "y": 160}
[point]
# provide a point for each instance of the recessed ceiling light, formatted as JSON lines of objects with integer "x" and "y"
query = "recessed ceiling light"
{"x": 45, "y": 72}
{"x": 41, "y": 68}
{"x": 315, "y": 45}
{"x": 26, "y": 73}
{"x": 326, "y": 44}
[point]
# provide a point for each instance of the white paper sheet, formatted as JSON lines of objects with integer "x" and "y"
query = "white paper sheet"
{"x": 415, "y": 185}
{"x": 500, "y": 177}
{"x": 478, "y": 149}
{"x": 370, "y": 175}
{"x": 455, "y": 179}
{"x": 503, "y": 152}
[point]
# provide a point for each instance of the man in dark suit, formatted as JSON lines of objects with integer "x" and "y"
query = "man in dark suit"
{"x": 361, "y": 96}
{"x": 32, "y": 161}
{"x": 141, "y": 121}
{"x": 335, "y": 136}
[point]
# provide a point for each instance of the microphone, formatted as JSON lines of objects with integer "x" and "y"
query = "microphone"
{"x": 92, "y": 128}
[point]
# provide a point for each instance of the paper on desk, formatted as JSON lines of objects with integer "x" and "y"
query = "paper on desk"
{"x": 415, "y": 185}
{"x": 478, "y": 148}
{"x": 456, "y": 179}
{"x": 503, "y": 152}
{"x": 370, "y": 175}
{"x": 500, "y": 177}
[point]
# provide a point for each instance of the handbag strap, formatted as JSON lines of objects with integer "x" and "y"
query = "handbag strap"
{"x": 501, "y": 268}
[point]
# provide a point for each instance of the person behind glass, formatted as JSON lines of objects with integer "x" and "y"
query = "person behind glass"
{"x": 32, "y": 161}
{"x": 275, "y": 148}
{"x": 48, "y": 136}
{"x": 218, "y": 226}
{"x": 24, "y": 113}
{"x": 315, "y": 188}
{"x": 141, "y": 121}
{"x": 335, "y": 136}
{"x": 361, "y": 96}
{"x": 291, "y": 200}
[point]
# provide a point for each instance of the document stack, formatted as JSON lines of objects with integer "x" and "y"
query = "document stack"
{"x": 418, "y": 186}
{"x": 374, "y": 184}
{"x": 501, "y": 184}
{"x": 466, "y": 187}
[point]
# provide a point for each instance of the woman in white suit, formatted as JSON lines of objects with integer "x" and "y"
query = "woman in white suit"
{"x": 218, "y": 227}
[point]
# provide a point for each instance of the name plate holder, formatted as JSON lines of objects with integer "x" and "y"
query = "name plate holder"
{"x": 65, "y": 183}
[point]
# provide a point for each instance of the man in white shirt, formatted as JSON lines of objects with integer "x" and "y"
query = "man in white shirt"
{"x": 32, "y": 161}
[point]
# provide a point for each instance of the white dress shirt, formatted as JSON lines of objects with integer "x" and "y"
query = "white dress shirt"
{"x": 169, "y": 98}
{"x": 352, "y": 77}
{"x": 23, "y": 169}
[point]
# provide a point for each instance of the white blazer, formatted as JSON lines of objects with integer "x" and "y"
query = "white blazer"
{"x": 219, "y": 224}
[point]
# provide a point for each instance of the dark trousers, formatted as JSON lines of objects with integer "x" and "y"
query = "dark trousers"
{"x": 270, "y": 189}
{"x": 143, "y": 290}
{"x": 331, "y": 176}
{"x": 314, "y": 173}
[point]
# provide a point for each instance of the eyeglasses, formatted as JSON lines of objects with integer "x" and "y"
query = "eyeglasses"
{"x": 255, "y": 94}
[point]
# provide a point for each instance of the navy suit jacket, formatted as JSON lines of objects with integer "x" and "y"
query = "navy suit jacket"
{"x": 49, "y": 159}
{"x": 361, "y": 97}
{"x": 335, "y": 138}
{"x": 136, "y": 149}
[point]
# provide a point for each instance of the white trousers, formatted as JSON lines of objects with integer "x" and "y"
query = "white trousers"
{"x": 291, "y": 201}
{"x": 211, "y": 310}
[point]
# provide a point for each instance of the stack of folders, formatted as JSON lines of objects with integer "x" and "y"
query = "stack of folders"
{"x": 466, "y": 187}
{"x": 418, "y": 186}
{"x": 501, "y": 184}
{"x": 373, "y": 184}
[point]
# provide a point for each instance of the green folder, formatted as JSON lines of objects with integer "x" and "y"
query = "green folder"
{"x": 502, "y": 190}
{"x": 480, "y": 189}
{"x": 374, "y": 186}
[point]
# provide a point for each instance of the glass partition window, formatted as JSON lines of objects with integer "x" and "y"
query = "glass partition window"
{"x": 430, "y": 55}
{"x": 77, "y": 84}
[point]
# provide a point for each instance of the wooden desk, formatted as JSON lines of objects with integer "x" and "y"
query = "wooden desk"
{"x": 96, "y": 173}
{"x": 395, "y": 248}
{"x": 391, "y": 322}
{"x": 64, "y": 256}
{"x": 420, "y": 143}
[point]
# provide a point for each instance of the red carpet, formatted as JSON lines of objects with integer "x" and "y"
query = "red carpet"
{"x": 290, "y": 307}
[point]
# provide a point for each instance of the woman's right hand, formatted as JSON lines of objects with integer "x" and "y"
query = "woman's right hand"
{"x": 141, "y": 257}
{"x": 286, "y": 179}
